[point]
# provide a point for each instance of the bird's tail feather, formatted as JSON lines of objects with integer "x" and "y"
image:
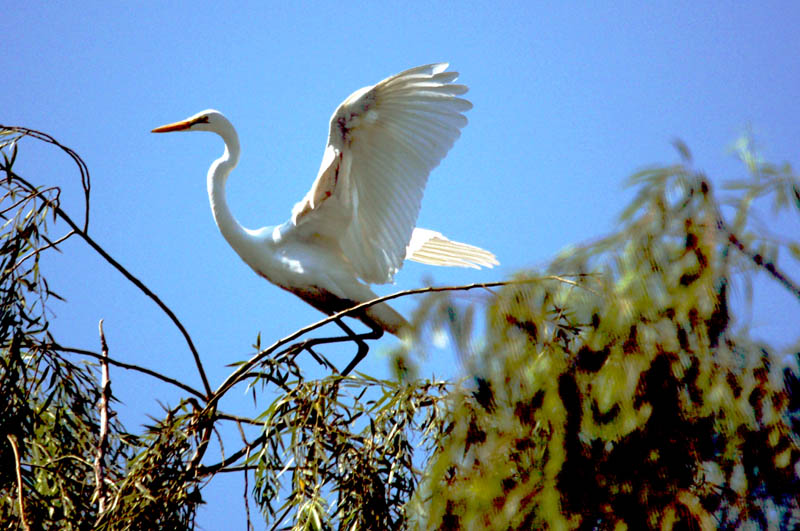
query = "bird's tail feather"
{"x": 433, "y": 248}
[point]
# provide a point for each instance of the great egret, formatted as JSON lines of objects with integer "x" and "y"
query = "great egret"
{"x": 356, "y": 224}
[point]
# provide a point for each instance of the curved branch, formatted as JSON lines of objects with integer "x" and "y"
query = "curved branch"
{"x": 222, "y": 465}
{"x": 135, "y": 281}
{"x": 238, "y": 419}
{"x": 243, "y": 370}
{"x": 50, "y": 244}
{"x": 84, "y": 234}
{"x": 130, "y": 367}
{"x": 86, "y": 182}
{"x": 236, "y": 376}
{"x": 759, "y": 260}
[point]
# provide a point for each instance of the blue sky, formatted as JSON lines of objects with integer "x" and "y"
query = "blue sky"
{"x": 568, "y": 101}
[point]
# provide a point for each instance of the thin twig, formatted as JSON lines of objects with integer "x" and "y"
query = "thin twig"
{"x": 242, "y": 468}
{"x": 102, "y": 445}
{"x": 147, "y": 292}
{"x": 86, "y": 181}
{"x": 18, "y": 466}
{"x": 759, "y": 260}
{"x": 130, "y": 367}
{"x": 282, "y": 516}
{"x": 50, "y": 244}
{"x": 238, "y": 419}
{"x": 135, "y": 281}
{"x": 234, "y": 457}
{"x": 27, "y": 198}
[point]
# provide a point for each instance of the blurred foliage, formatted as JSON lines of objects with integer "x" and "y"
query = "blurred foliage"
{"x": 625, "y": 395}
{"x": 619, "y": 388}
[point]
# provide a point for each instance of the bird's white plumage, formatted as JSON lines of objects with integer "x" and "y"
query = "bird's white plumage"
{"x": 356, "y": 224}
{"x": 383, "y": 142}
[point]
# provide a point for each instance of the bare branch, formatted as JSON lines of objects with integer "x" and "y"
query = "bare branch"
{"x": 50, "y": 244}
{"x": 102, "y": 445}
{"x": 84, "y": 234}
{"x": 86, "y": 182}
{"x": 237, "y": 375}
{"x": 239, "y": 420}
{"x": 234, "y": 457}
{"x": 243, "y": 370}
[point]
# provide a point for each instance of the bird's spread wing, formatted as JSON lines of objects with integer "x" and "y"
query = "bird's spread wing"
{"x": 384, "y": 140}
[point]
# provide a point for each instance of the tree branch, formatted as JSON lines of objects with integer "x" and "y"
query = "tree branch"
{"x": 84, "y": 234}
{"x": 235, "y": 377}
{"x": 244, "y": 369}
{"x": 130, "y": 367}
{"x": 18, "y": 467}
{"x": 105, "y": 395}
{"x": 135, "y": 281}
{"x": 757, "y": 259}
{"x": 86, "y": 182}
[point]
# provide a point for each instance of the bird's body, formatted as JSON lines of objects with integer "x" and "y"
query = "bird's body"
{"x": 356, "y": 224}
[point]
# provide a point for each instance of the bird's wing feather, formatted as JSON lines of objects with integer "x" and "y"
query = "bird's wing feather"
{"x": 433, "y": 248}
{"x": 384, "y": 140}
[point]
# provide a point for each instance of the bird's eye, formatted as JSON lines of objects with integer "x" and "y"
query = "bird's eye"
{"x": 202, "y": 120}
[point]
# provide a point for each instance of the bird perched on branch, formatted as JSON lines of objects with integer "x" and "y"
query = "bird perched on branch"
{"x": 356, "y": 225}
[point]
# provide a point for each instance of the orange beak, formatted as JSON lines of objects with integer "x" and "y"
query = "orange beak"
{"x": 177, "y": 126}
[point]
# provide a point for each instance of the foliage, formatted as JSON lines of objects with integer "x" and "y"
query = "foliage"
{"x": 351, "y": 460}
{"x": 159, "y": 490}
{"x": 49, "y": 422}
{"x": 629, "y": 397}
{"x": 46, "y": 413}
{"x": 620, "y": 388}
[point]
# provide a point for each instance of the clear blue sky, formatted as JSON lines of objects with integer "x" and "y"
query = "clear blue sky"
{"x": 568, "y": 101}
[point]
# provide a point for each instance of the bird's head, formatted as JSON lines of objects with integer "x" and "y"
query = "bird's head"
{"x": 208, "y": 120}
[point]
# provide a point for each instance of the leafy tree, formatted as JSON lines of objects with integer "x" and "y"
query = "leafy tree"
{"x": 617, "y": 388}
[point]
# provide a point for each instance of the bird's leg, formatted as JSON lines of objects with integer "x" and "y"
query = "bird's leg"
{"x": 363, "y": 348}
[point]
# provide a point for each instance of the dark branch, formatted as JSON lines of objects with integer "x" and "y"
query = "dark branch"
{"x": 128, "y": 366}
{"x": 243, "y": 369}
{"x": 84, "y": 234}
{"x": 757, "y": 259}
{"x": 135, "y": 281}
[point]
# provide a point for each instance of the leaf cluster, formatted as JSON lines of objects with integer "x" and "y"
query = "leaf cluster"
{"x": 48, "y": 419}
{"x": 340, "y": 452}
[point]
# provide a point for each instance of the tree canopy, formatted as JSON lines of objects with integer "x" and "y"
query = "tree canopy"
{"x": 617, "y": 387}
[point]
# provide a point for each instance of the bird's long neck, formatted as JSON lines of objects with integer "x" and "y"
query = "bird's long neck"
{"x": 236, "y": 235}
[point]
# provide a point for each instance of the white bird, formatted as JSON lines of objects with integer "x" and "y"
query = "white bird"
{"x": 356, "y": 224}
